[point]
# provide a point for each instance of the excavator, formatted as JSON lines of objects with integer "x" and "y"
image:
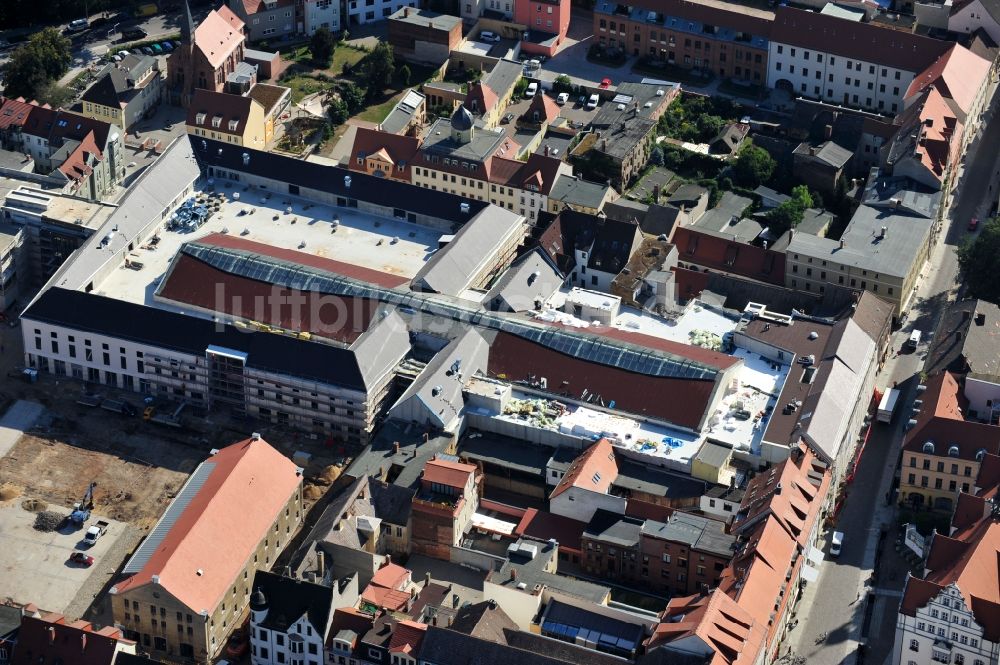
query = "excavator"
{"x": 81, "y": 510}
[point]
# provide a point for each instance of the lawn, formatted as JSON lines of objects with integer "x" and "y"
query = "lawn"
{"x": 377, "y": 112}
{"x": 342, "y": 55}
{"x": 303, "y": 85}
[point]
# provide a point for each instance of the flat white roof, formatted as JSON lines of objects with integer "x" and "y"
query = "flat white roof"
{"x": 741, "y": 417}
{"x": 379, "y": 243}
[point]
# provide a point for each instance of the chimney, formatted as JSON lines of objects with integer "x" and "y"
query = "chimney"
{"x": 388, "y": 560}
{"x": 604, "y": 145}
{"x": 427, "y": 579}
{"x": 83, "y": 642}
{"x": 320, "y": 563}
{"x": 449, "y": 621}
{"x": 828, "y": 132}
{"x": 656, "y": 193}
{"x": 395, "y": 447}
{"x": 882, "y": 234}
{"x": 842, "y": 243}
{"x": 546, "y": 150}
{"x": 434, "y": 620}
{"x": 413, "y": 592}
{"x": 406, "y": 12}
{"x": 52, "y": 634}
{"x": 513, "y": 574}
{"x": 813, "y": 150}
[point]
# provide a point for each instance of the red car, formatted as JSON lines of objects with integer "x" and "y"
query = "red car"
{"x": 973, "y": 224}
{"x": 605, "y": 83}
{"x": 82, "y": 559}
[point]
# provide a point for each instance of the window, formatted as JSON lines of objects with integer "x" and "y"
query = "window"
{"x": 914, "y": 645}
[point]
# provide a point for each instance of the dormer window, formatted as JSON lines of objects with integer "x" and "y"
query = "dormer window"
{"x": 929, "y": 447}
{"x": 953, "y": 451}
{"x": 233, "y": 124}
{"x": 200, "y": 118}
{"x": 217, "y": 121}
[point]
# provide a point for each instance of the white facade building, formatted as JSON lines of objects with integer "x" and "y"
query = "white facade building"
{"x": 360, "y": 12}
{"x": 318, "y": 14}
{"x": 943, "y": 631}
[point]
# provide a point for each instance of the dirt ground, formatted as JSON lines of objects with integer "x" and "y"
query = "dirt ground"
{"x": 129, "y": 487}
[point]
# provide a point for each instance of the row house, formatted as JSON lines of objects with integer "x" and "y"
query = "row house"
{"x": 443, "y": 507}
{"x": 685, "y": 554}
{"x": 840, "y": 61}
{"x": 85, "y": 153}
{"x": 722, "y": 38}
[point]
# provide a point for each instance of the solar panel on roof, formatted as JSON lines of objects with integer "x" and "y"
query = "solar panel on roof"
{"x": 580, "y": 345}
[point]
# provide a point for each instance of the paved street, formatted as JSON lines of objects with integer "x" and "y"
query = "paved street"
{"x": 840, "y": 611}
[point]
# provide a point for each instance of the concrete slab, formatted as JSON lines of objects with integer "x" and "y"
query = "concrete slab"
{"x": 34, "y": 565}
{"x": 19, "y": 417}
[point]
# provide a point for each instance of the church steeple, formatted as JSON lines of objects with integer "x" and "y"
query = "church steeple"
{"x": 187, "y": 27}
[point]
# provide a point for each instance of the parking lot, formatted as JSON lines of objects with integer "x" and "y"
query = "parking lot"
{"x": 35, "y": 566}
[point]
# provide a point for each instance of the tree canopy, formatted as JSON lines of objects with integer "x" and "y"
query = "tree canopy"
{"x": 44, "y": 58}
{"x": 754, "y": 166}
{"x": 788, "y": 215}
{"x": 379, "y": 66}
{"x": 979, "y": 260}
{"x": 322, "y": 45}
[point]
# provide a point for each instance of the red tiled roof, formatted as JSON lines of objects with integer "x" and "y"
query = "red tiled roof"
{"x": 391, "y": 576}
{"x": 389, "y": 599}
{"x": 483, "y": 95}
{"x": 544, "y": 106}
{"x": 941, "y": 422}
{"x": 448, "y": 473}
{"x": 400, "y": 149}
{"x": 594, "y": 470}
{"x": 676, "y": 400}
{"x": 788, "y": 494}
{"x": 407, "y": 637}
{"x": 539, "y": 170}
{"x": 542, "y": 525}
{"x": 254, "y": 6}
{"x": 14, "y": 112}
{"x": 349, "y": 618}
{"x": 219, "y": 35}
{"x": 725, "y": 254}
{"x": 717, "y": 620}
{"x": 50, "y": 639}
{"x": 958, "y": 73}
{"x": 76, "y": 166}
{"x": 245, "y": 491}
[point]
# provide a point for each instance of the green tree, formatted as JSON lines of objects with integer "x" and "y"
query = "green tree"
{"x": 338, "y": 112}
{"x": 788, "y": 215}
{"x": 44, "y": 58}
{"x": 562, "y": 83}
{"x": 321, "y": 46}
{"x": 520, "y": 87}
{"x": 801, "y": 194}
{"x": 980, "y": 265}
{"x": 379, "y": 66}
{"x": 656, "y": 156}
{"x": 353, "y": 96}
{"x": 753, "y": 166}
{"x": 405, "y": 75}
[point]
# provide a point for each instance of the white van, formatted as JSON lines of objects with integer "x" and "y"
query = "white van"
{"x": 836, "y": 543}
{"x": 532, "y": 89}
{"x": 913, "y": 341}
{"x": 487, "y": 36}
{"x": 592, "y": 102}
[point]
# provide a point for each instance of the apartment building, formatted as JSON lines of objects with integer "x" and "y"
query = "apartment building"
{"x": 125, "y": 92}
{"x": 461, "y": 156}
{"x": 882, "y": 250}
{"x": 290, "y": 619}
{"x": 318, "y": 14}
{"x": 684, "y": 554}
{"x": 83, "y": 154}
{"x": 180, "y": 599}
{"x": 266, "y": 19}
{"x": 842, "y": 61}
{"x": 423, "y": 36}
{"x": 443, "y": 506}
{"x": 547, "y": 21}
{"x": 361, "y": 12}
{"x": 943, "y": 453}
{"x": 233, "y": 119}
{"x": 727, "y": 39}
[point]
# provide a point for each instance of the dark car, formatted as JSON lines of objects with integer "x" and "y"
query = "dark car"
{"x": 507, "y": 118}
{"x": 133, "y": 33}
{"x": 129, "y": 410}
{"x": 81, "y": 559}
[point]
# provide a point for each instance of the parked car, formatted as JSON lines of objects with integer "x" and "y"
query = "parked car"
{"x": 605, "y": 83}
{"x": 973, "y": 224}
{"x": 592, "y": 102}
{"x": 157, "y": 48}
{"x": 177, "y": 44}
{"x": 836, "y": 543}
{"x": 532, "y": 89}
{"x": 81, "y": 559}
{"x": 167, "y": 46}
{"x": 78, "y": 25}
{"x": 562, "y": 98}
{"x": 506, "y": 119}
{"x": 147, "y": 50}
{"x": 487, "y": 36}
{"x": 123, "y": 53}
{"x": 95, "y": 532}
